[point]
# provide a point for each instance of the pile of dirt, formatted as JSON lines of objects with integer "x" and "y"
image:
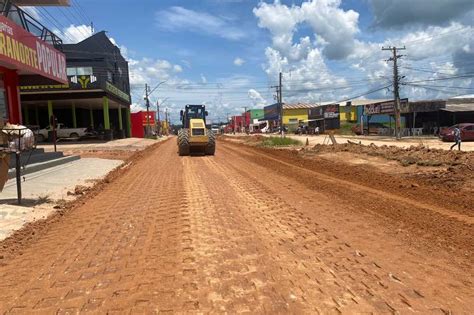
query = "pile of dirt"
{"x": 451, "y": 169}
{"x": 419, "y": 155}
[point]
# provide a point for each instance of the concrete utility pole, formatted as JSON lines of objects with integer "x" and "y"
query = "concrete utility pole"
{"x": 147, "y": 100}
{"x": 281, "y": 107}
{"x": 243, "y": 118}
{"x": 280, "y": 101}
{"x": 396, "y": 93}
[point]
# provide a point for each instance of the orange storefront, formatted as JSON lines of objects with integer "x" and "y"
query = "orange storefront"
{"x": 24, "y": 54}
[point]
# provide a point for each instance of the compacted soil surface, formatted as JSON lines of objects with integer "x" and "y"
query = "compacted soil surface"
{"x": 250, "y": 229}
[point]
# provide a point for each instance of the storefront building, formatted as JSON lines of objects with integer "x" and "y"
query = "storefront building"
{"x": 326, "y": 117}
{"x": 96, "y": 93}
{"x": 27, "y": 50}
{"x": 140, "y": 120}
{"x": 255, "y": 115}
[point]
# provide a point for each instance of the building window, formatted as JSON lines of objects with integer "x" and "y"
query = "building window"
{"x": 79, "y": 71}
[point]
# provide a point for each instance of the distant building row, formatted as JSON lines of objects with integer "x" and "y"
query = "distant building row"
{"x": 426, "y": 117}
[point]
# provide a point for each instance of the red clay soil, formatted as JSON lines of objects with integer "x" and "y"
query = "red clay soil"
{"x": 247, "y": 230}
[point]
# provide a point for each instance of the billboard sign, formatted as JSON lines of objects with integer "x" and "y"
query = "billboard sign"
{"x": 23, "y": 51}
{"x": 331, "y": 111}
{"x": 383, "y": 108}
{"x": 272, "y": 112}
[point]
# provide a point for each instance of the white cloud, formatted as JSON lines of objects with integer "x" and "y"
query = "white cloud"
{"x": 332, "y": 26}
{"x": 203, "y": 79}
{"x": 256, "y": 98}
{"x": 239, "y": 61}
{"x": 303, "y": 61}
{"x": 75, "y": 33}
{"x": 182, "y": 19}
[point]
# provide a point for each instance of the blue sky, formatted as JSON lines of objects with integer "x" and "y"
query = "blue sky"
{"x": 227, "y": 53}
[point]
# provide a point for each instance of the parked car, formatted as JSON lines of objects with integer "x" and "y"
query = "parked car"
{"x": 277, "y": 129}
{"x": 371, "y": 129}
{"x": 467, "y": 132}
{"x": 62, "y": 132}
{"x": 215, "y": 129}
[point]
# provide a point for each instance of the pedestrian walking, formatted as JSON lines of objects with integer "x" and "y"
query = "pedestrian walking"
{"x": 316, "y": 130}
{"x": 457, "y": 138}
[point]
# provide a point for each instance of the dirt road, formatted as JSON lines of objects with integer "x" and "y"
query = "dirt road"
{"x": 243, "y": 231}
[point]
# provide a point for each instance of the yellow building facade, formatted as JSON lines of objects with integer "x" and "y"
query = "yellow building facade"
{"x": 292, "y": 117}
{"x": 348, "y": 113}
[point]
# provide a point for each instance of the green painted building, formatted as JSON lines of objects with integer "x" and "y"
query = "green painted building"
{"x": 256, "y": 114}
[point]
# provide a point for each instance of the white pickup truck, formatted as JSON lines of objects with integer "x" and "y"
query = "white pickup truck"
{"x": 62, "y": 132}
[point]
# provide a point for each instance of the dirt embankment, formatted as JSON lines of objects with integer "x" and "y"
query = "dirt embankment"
{"x": 440, "y": 169}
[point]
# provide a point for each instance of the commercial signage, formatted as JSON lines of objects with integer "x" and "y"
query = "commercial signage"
{"x": 148, "y": 118}
{"x": 21, "y": 50}
{"x": 75, "y": 82}
{"x": 383, "y": 108}
{"x": 272, "y": 112}
{"x": 331, "y": 111}
{"x": 316, "y": 113}
{"x": 116, "y": 91}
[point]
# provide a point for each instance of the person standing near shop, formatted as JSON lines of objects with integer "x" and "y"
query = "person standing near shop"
{"x": 457, "y": 138}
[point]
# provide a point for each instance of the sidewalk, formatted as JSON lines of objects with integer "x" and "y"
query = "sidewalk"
{"x": 128, "y": 144}
{"x": 42, "y": 190}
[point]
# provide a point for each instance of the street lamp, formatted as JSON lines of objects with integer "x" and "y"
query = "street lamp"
{"x": 147, "y": 99}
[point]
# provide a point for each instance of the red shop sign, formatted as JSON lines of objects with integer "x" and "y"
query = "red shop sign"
{"x": 24, "y": 51}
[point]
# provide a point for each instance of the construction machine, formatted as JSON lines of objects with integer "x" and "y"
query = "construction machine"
{"x": 194, "y": 137}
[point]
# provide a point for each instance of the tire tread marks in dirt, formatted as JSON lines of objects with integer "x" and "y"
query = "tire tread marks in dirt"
{"x": 201, "y": 235}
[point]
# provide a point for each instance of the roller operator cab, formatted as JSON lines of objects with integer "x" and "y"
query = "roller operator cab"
{"x": 193, "y": 137}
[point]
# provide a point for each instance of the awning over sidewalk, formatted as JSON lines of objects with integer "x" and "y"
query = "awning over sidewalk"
{"x": 463, "y": 107}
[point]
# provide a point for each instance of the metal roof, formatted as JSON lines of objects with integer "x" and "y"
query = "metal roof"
{"x": 299, "y": 106}
{"x": 460, "y": 107}
{"x": 461, "y": 104}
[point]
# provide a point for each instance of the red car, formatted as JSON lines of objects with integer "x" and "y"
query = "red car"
{"x": 467, "y": 132}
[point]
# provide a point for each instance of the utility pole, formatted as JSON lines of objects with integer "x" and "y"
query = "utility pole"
{"x": 281, "y": 105}
{"x": 148, "y": 92}
{"x": 158, "y": 123}
{"x": 244, "y": 118}
{"x": 396, "y": 93}
{"x": 280, "y": 101}
{"x": 167, "y": 121}
{"x": 147, "y": 133}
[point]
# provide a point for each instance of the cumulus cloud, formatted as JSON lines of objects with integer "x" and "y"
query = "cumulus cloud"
{"x": 182, "y": 19}
{"x": 446, "y": 48}
{"x": 402, "y": 13}
{"x": 333, "y": 27}
{"x": 239, "y": 61}
{"x": 256, "y": 97}
{"x": 76, "y": 33}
